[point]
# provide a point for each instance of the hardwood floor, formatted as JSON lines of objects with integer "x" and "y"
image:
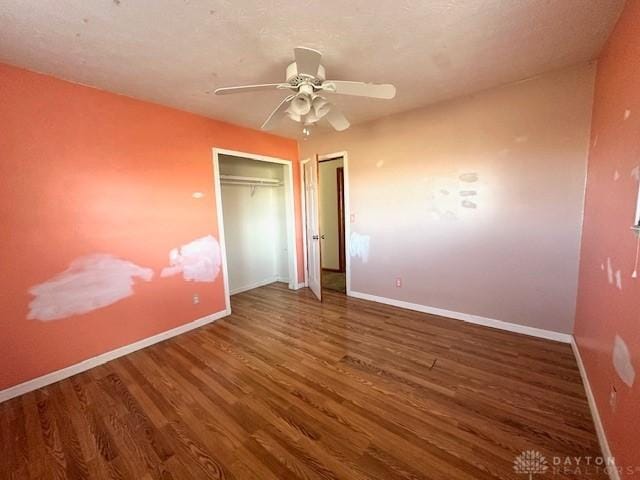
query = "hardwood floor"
{"x": 336, "y": 281}
{"x": 287, "y": 388}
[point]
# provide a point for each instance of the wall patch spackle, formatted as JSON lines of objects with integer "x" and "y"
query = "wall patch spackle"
{"x": 359, "y": 246}
{"x": 622, "y": 362}
{"x": 198, "y": 261}
{"x": 90, "y": 283}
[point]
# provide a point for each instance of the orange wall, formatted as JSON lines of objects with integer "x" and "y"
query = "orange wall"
{"x": 84, "y": 171}
{"x": 604, "y": 310}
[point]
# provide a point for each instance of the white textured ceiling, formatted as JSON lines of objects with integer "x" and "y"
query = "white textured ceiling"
{"x": 176, "y": 52}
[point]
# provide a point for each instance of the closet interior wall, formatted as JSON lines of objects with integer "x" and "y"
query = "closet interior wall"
{"x": 254, "y": 222}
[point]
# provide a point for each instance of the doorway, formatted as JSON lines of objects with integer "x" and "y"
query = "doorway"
{"x": 255, "y": 210}
{"x": 326, "y": 216}
{"x": 331, "y": 209}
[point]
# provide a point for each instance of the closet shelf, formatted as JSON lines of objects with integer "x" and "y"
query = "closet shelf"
{"x": 252, "y": 181}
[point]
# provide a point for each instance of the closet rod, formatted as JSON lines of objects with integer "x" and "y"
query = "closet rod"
{"x": 250, "y": 184}
{"x": 260, "y": 180}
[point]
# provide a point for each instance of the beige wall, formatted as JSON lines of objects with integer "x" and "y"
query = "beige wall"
{"x": 328, "y": 199}
{"x": 476, "y": 204}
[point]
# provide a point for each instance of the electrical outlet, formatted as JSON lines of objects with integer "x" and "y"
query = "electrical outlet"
{"x": 196, "y": 299}
{"x": 398, "y": 282}
{"x": 613, "y": 398}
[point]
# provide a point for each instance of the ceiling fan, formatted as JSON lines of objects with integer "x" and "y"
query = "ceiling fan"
{"x": 306, "y": 79}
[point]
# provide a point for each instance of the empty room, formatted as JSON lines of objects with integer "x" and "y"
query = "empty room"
{"x": 320, "y": 240}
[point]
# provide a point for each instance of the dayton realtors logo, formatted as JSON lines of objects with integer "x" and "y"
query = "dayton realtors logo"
{"x": 530, "y": 463}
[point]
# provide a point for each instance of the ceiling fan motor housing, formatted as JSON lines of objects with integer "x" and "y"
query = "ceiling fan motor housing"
{"x": 294, "y": 78}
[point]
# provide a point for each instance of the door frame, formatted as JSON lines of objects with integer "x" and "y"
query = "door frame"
{"x": 342, "y": 254}
{"x": 289, "y": 201}
{"x": 347, "y": 214}
{"x": 303, "y": 203}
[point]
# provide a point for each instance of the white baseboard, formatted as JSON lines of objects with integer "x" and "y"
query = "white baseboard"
{"x": 466, "y": 317}
{"x": 597, "y": 421}
{"x": 71, "y": 370}
{"x": 300, "y": 285}
{"x": 258, "y": 284}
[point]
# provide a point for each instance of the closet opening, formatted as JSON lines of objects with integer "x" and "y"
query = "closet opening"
{"x": 254, "y": 196}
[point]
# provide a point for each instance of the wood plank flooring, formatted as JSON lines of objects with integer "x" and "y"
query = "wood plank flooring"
{"x": 287, "y": 388}
{"x": 336, "y": 281}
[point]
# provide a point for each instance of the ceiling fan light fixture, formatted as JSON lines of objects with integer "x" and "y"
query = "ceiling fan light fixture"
{"x": 310, "y": 118}
{"x": 320, "y": 107}
{"x": 301, "y": 104}
{"x": 294, "y": 116}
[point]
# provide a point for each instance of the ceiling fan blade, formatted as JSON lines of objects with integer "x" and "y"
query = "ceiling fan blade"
{"x": 250, "y": 88}
{"x": 360, "y": 89}
{"x": 277, "y": 115}
{"x": 337, "y": 119}
{"x": 307, "y": 61}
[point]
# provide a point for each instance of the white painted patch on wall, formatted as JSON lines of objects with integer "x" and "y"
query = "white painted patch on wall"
{"x": 197, "y": 195}
{"x": 595, "y": 140}
{"x": 379, "y": 163}
{"x": 635, "y": 172}
{"x": 198, "y": 261}
{"x": 470, "y": 177}
{"x": 616, "y": 176}
{"x": 447, "y": 193}
{"x": 622, "y": 361}
{"x": 90, "y": 283}
{"x": 609, "y": 271}
{"x": 439, "y": 203}
{"x": 359, "y": 246}
{"x": 613, "y": 276}
{"x": 521, "y": 139}
{"x": 618, "y": 276}
{"x": 627, "y": 114}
